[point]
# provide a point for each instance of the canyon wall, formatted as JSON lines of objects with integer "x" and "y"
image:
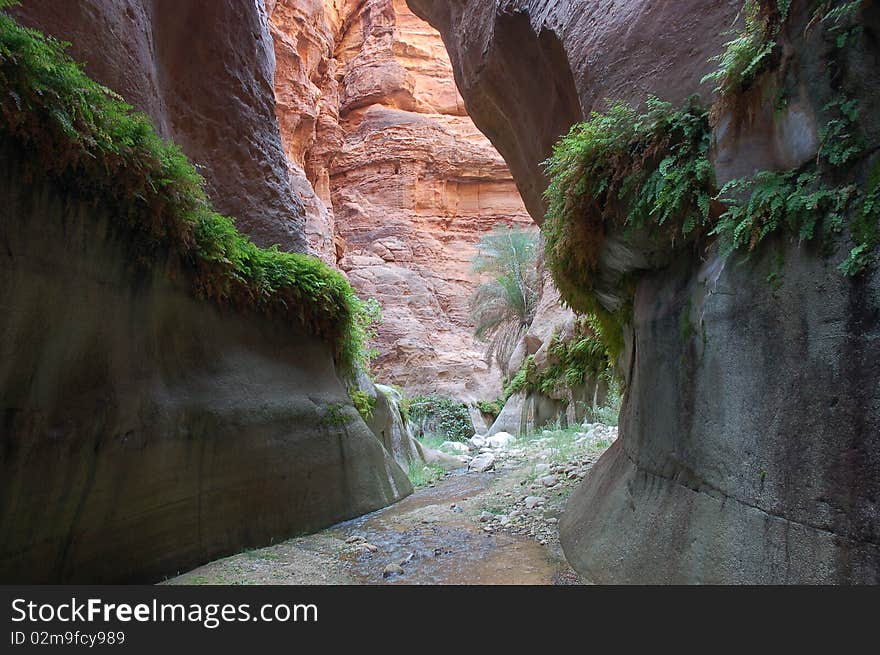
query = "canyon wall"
{"x": 403, "y": 184}
{"x": 750, "y": 427}
{"x": 145, "y": 431}
{"x": 203, "y": 72}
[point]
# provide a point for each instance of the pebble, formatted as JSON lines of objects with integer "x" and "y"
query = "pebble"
{"x": 362, "y": 553}
{"x": 533, "y": 501}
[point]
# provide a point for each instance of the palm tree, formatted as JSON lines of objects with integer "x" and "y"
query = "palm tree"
{"x": 503, "y": 307}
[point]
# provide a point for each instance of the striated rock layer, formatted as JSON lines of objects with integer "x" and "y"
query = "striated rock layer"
{"x": 143, "y": 431}
{"x": 404, "y": 184}
{"x": 750, "y": 431}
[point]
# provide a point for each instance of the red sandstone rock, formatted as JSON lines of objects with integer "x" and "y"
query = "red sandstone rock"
{"x": 404, "y": 184}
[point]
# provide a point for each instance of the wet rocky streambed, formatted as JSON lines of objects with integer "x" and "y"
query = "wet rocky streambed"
{"x": 494, "y": 527}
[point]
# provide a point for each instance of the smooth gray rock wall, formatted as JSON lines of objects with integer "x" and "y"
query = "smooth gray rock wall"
{"x": 144, "y": 432}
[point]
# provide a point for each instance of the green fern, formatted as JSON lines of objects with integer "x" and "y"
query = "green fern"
{"x": 865, "y": 231}
{"x": 840, "y": 141}
{"x": 840, "y": 20}
{"x": 748, "y": 54}
{"x": 791, "y": 200}
{"x": 571, "y": 363}
{"x": 628, "y": 171}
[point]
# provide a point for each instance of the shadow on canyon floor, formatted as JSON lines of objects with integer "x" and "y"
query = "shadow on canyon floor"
{"x": 498, "y": 527}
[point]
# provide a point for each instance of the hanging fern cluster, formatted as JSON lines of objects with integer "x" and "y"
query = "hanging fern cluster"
{"x": 809, "y": 201}
{"x": 623, "y": 170}
{"x": 628, "y": 171}
{"x": 88, "y": 141}
{"x": 751, "y": 50}
{"x": 797, "y": 202}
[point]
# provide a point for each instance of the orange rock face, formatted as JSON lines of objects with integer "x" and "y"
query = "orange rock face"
{"x": 398, "y": 183}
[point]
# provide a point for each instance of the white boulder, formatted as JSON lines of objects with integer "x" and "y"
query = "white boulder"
{"x": 500, "y": 440}
{"x": 482, "y": 463}
{"x": 477, "y": 441}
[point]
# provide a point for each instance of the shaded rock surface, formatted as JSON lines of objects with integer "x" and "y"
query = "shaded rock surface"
{"x": 203, "y": 72}
{"x": 751, "y": 454}
{"x": 403, "y": 183}
{"x": 144, "y": 431}
{"x": 749, "y": 445}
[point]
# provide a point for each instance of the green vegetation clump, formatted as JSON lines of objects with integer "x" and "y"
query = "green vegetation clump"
{"x": 839, "y": 16}
{"x": 840, "y": 141}
{"x": 503, "y": 307}
{"x": 629, "y": 171}
{"x": 364, "y": 330}
{"x": 571, "y": 363}
{"x": 807, "y": 201}
{"x": 792, "y": 200}
{"x": 335, "y": 415}
{"x": 363, "y": 402}
{"x": 754, "y": 48}
{"x": 422, "y": 475}
{"x": 803, "y": 202}
{"x": 490, "y": 408}
{"x": 84, "y": 137}
{"x": 436, "y": 416}
{"x": 751, "y": 50}
{"x": 574, "y": 361}
{"x": 526, "y": 378}
{"x": 865, "y": 231}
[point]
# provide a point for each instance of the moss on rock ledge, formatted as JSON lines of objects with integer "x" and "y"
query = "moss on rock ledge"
{"x": 84, "y": 137}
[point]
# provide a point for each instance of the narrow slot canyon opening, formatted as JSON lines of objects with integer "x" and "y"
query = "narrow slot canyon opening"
{"x": 408, "y": 198}
{"x": 357, "y": 291}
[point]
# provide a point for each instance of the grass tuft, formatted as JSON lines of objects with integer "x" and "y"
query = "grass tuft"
{"x": 421, "y": 475}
